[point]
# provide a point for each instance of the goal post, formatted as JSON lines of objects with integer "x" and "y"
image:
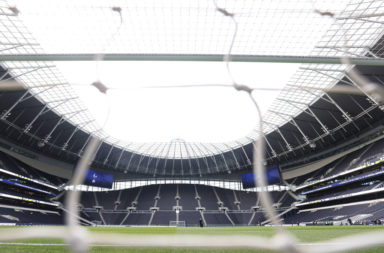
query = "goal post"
{"x": 177, "y": 223}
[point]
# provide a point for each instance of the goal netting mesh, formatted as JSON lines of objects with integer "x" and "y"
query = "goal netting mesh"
{"x": 229, "y": 28}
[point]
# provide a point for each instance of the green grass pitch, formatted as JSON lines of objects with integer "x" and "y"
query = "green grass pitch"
{"x": 304, "y": 234}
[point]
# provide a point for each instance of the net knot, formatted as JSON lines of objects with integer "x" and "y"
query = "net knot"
{"x": 100, "y": 86}
{"x": 242, "y": 87}
{"x": 225, "y": 12}
{"x": 325, "y": 13}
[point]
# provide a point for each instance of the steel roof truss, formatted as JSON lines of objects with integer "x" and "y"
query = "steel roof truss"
{"x": 189, "y": 160}
{"x": 109, "y": 153}
{"x": 233, "y": 155}
{"x": 44, "y": 110}
{"x": 197, "y": 160}
{"x": 362, "y": 109}
{"x": 130, "y": 159}
{"x": 181, "y": 160}
{"x": 274, "y": 154}
{"x": 65, "y": 145}
{"x": 222, "y": 155}
{"x": 158, "y": 160}
{"x": 120, "y": 156}
{"x": 16, "y": 118}
{"x": 143, "y": 156}
{"x": 204, "y": 158}
{"x": 212, "y": 157}
{"x": 49, "y": 135}
{"x": 361, "y": 89}
{"x": 310, "y": 113}
{"x": 245, "y": 153}
{"x": 293, "y": 122}
{"x": 81, "y": 151}
{"x": 13, "y": 77}
{"x": 351, "y": 82}
{"x": 331, "y": 101}
{"x": 288, "y": 146}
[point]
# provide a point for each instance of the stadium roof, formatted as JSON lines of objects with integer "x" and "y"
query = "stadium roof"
{"x": 153, "y": 30}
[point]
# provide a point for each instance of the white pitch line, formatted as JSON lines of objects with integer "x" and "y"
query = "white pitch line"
{"x": 110, "y": 245}
{"x": 32, "y": 244}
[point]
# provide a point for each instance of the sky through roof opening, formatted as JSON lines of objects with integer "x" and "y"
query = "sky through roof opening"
{"x": 156, "y": 114}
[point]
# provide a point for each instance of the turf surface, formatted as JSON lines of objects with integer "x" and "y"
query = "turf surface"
{"x": 304, "y": 234}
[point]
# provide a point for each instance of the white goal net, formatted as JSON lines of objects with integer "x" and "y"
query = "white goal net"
{"x": 231, "y": 40}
